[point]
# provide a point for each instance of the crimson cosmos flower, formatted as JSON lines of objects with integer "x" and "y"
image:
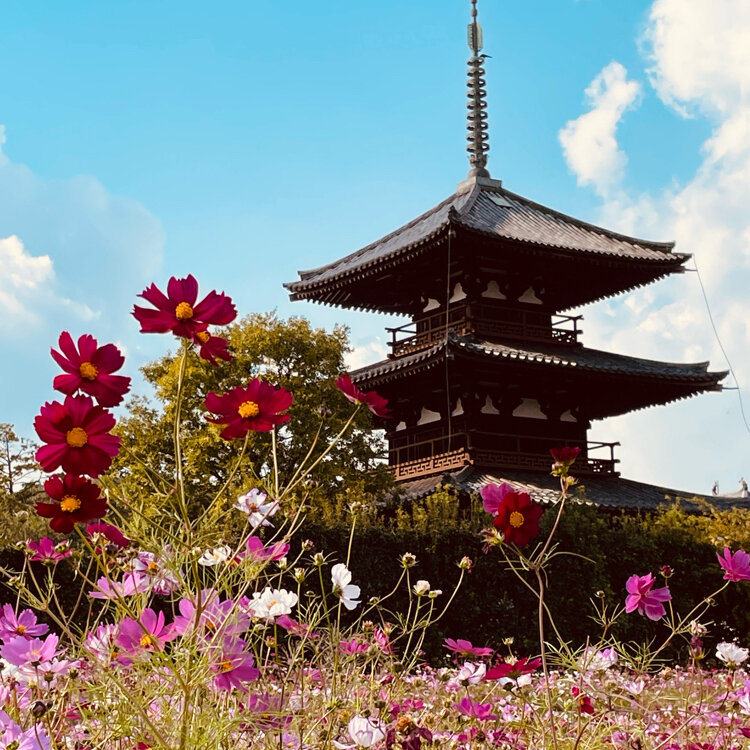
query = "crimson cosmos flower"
{"x": 513, "y": 671}
{"x": 565, "y": 455}
{"x": 77, "y": 437}
{"x": 176, "y": 311}
{"x": 256, "y": 407}
{"x": 89, "y": 368}
{"x": 109, "y": 532}
{"x": 78, "y": 501}
{"x": 376, "y": 403}
{"x": 516, "y": 516}
{"x": 211, "y": 347}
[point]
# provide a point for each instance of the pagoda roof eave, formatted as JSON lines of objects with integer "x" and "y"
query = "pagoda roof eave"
{"x": 493, "y": 213}
{"x": 688, "y": 379}
{"x": 611, "y": 493}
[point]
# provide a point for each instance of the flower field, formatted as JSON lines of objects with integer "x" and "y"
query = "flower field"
{"x": 181, "y": 634}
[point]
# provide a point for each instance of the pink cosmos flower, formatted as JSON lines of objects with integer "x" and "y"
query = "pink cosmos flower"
{"x": 89, "y": 368}
{"x": 13, "y": 736}
{"x": 176, "y": 311}
{"x": 45, "y": 550}
{"x": 353, "y": 646}
{"x": 233, "y": 664}
{"x": 150, "y": 573}
{"x": 641, "y": 597}
{"x": 108, "y": 589}
{"x": 736, "y": 565}
{"x": 149, "y": 633}
{"x": 24, "y": 624}
{"x": 374, "y": 401}
{"x": 32, "y": 652}
{"x": 475, "y": 710}
{"x": 464, "y": 648}
{"x": 291, "y": 625}
{"x": 221, "y": 617}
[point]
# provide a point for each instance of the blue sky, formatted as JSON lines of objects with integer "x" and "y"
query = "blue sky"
{"x": 241, "y": 141}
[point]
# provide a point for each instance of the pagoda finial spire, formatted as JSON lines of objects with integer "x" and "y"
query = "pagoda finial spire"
{"x": 476, "y": 122}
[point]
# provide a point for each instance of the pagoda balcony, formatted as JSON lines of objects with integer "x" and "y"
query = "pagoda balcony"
{"x": 442, "y": 454}
{"x": 484, "y": 322}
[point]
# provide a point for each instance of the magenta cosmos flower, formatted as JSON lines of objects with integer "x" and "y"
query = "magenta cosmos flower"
{"x": 101, "y": 530}
{"x": 233, "y": 664}
{"x": 736, "y": 565}
{"x": 177, "y": 311}
{"x": 77, "y": 436}
{"x": 32, "y": 652}
{"x": 89, "y": 368}
{"x": 644, "y": 598}
{"x": 47, "y": 551}
{"x": 255, "y": 407}
{"x": 516, "y": 516}
{"x": 78, "y": 500}
{"x": 376, "y": 403}
{"x": 211, "y": 347}
{"x": 474, "y": 710}
{"x": 464, "y": 648}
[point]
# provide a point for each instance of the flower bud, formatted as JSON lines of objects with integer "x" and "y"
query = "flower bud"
{"x": 465, "y": 563}
{"x": 421, "y": 587}
{"x": 299, "y": 574}
{"x": 308, "y": 545}
{"x": 408, "y": 560}
{"x": 319, "y": 559}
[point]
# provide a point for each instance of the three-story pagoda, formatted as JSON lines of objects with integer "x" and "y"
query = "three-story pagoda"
{"x": 490, "y": 372}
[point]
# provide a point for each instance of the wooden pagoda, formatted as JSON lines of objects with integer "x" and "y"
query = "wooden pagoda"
{"x": 490, "y": 372}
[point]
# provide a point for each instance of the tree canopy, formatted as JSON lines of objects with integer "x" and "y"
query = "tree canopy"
{"x": 287, "y": 353}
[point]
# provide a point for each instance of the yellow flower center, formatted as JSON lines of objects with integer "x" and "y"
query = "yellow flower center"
{"x": 70, "y": 503}
{"x": 153, "y": 567}
{"x": 516, "y": 519}
{"x": 77, "y": 437}
{"x": 183, "y": 311}
{"x": 21, "y": 629}
{"x": 203, "y": 336}
{"x": 88, "y": 371}
{"x": 226, "y": 666}
{"x": 146, "y": 640}
{"x": 248, "y": 409}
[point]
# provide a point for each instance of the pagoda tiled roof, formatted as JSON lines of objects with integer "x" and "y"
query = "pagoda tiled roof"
{"x": 491, "y": 210}
{"x": 548, "y": 355}
{"x": 611, "y": 492}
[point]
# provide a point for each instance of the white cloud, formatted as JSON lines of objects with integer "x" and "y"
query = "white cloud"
{"x": 699, "y": 57}
{"x": 72, "y": 257}
{"x": 365, "y": 354}
{"x": 589, "y": 142}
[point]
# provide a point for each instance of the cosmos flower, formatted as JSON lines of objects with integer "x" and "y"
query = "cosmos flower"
{"x": 150, "y": 573}
{"x": 257, "y": 551}
{"x": 24, "y": 624}
{"x": 508, "y": 672}
{"x": 254, "y": 505}
{"x": 641, "y": 597}
{"x": 585, "y": 706}
{"x": 564, "y": 458}
{"x": 475, "y": 710}
{"x": 374, "y": 401}
{"x": 270, "y": 603}
{"x": 516, "y": 516}
{"x": 464, "y": 648}
{"x": 341, "y": 578}
{"x": 178, "y": 312}
{"x": 211, "y": 347}
{"x": 89, "y": 368}
{"x": 78, "y": 437}
{"x": 736, "y": 565}
{"x": 45, "y": 550}
{"x": 32, "y": 652}
{"x": 106, "y": 588}
{"x": 100, "y": 530}
{"x": 78, "y": 499}
{"x": 148, "y": 633}
{"x": 731, "y": 654}
{"x": 255, "y": 407}
{"x": 365, "y": 731}
{"x": 215, "y": 556}
{"x": 233, "y": 664}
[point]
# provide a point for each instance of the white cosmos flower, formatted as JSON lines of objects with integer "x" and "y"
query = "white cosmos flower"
{"x": 271, "y": 603}
{"x": 421, "y": 587}
{"x": 215, "y": 556}
{"x": 471, "y": 673}
{"x": 254, "y": 505}
{"x": 366, "y": 731}
{"x": 731, "y": 654}
{"x": 597, "y": 661}
{"x": 343, "y": 587}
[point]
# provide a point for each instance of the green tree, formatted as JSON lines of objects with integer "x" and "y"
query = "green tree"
{"x": 288, "y": 353}
{"x": 18, "y": 467}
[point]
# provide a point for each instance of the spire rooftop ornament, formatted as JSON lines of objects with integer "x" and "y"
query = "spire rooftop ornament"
{"x": 476, "y": 121}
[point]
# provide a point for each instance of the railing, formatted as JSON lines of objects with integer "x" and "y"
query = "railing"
{"x": 489, "y": 321}
{"x": 438, "y": 454}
